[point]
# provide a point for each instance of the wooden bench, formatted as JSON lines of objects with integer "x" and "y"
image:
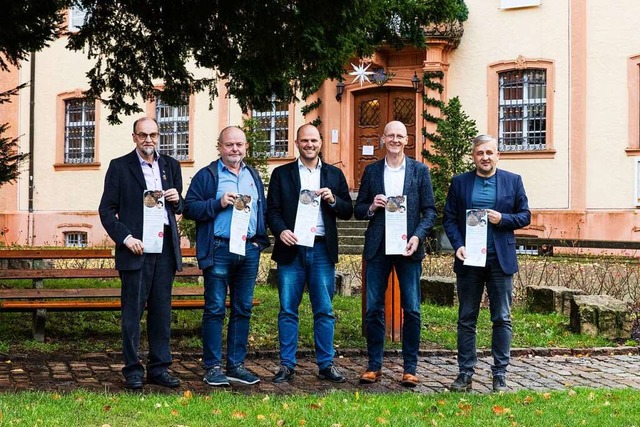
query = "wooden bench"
{"x": 39, "y": 299}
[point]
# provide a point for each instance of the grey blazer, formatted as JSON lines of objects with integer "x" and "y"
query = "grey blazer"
{"x": 421, "y": 207}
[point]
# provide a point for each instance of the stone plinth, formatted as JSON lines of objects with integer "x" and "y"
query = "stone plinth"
{"x": 600, "y": 315}
{"x": 438, "y": 290}
{"x": 549, "y": 299}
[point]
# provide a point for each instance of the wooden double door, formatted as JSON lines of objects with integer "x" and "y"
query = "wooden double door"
{"x": 372, "y": 111}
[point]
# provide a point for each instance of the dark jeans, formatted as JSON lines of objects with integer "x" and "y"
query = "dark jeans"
{"x": 313, "y": 267}
{"x": 150, "y": 286}
{"x": 377, "y": 274}
{"x": 470, "y": 286}
{"x": 237, "y": 274}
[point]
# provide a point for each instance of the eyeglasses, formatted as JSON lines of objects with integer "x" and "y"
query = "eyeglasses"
{"x": 395, "y": 136}
{"x": 143, "y": 136}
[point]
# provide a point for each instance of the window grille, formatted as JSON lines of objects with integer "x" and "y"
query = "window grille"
{"x": 275, "y": 125}
{"x": 522, "y": 116}
{"x": 173, "y": 124}
{"x": 79, "y": 130}
{"x": 75, "y": 239}
{"x": 77, "y": 17}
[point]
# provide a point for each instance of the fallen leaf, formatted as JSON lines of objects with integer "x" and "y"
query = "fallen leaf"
{"x": 302, "y": 422}
{"x": 572, "y": 393}
{"x": 527, "y": 400}
{"x": 546, "y": 396}
{"x": 158, "y": 405}
{"x": 538, "y": 412}
{"x": 106, "y": 408}
{"x": 216, "y": 412}
{"x": 606, "y": 403}
{"x": 55, "y": 396}
{"x": 381, "y": 420}
{"x": 187, "y": 394}
{"x": 314, "y": 406}
{"x": 592, "y": 396}
{"x": 266, "y": 398}
{"x": 280, "y": 423}
{"x": 498, "y": 410}
{"x": 357, "y": 395}
{"x": 239, "y": 415}
{"x": 175, "y": 412}
{"x": 106, "y": 425}
{"x": 261, "y": 417}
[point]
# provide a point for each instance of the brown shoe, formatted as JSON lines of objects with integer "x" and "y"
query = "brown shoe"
{"x": 370, "y": 377}
{"x": 409, "y": 380}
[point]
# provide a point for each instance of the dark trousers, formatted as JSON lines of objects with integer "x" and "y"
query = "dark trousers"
{"x": 150, "y": 286}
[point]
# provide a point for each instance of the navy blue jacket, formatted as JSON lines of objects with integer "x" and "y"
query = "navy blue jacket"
{"x": 282, "y": 201}
{"x": 202, "y": 206}
{"x": 121, "y": 208}
{"x": 511, "y": 202}
{"x": 421, "y": 207}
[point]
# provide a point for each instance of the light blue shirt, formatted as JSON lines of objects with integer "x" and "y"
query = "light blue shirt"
{"x": 229, "y": 182}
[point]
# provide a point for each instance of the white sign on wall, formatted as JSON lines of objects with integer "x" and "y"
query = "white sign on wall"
{"x": 512, "y": 4}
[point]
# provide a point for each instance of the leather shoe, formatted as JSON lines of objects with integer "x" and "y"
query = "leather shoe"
{"x": 164, "y": 380}
{"x": 499, "y": 384}
{"x": 330, "y": 373}
{"x": 409, "y": 380}
{"x": 370, "y": 377}
{"x": 463, "y": 382}
{"x": 133, "y": 382}
{"x": 284, "y": 375}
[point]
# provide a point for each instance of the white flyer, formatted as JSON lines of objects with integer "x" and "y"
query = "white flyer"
{"x": 153, "y": 221}
{"x": 242, "y": 207}
{"x": 395, "y": 225}
{"x": 307, "y": 217}
{"x": 476, "y": 238}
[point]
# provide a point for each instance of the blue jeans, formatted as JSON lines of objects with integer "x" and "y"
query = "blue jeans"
{"x": 377, "y": 275}
{"x": 470, "y": 286}
{"x": 237, "y": 274}
{"x": 313, "y": 267}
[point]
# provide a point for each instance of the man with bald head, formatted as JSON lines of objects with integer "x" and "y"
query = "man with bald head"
{"x": 307, "y": 180}
{"x": 395, "y": 175}
{"x": 210, "y": 201}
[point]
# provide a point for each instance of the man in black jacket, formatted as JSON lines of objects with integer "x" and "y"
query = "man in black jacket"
{"x": 307, "y": 180}
{"x": 146, "y": 278}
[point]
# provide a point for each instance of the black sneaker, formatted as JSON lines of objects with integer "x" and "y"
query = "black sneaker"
{"x": 330, "y": 373}
{"x": 499, "y": 384}
{"x": 284, "y": 375}
{"x": 215, "y": 377}
{"x": 464, "y": 382}
{"x": 242, "y": 375}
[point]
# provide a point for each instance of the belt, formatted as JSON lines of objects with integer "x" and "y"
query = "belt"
{"x": 319, "y": 239}
{"x": 225, "y": 240}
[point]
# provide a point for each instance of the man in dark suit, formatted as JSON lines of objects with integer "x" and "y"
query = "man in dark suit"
{"x": 298, "y": 264}
{"x": 146, "y": 278}
{"x": 502, "y": 195}
{"x": 395, "y": 175}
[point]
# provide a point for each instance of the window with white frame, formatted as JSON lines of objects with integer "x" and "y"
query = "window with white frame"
{"x": 275, "y": 125}
{"x": 75, "y": 239}
{"x": 173, "y": 123}
{"x": 77, "y": 16}
{"x": 522, "y": 116}
{"x": 79, "y": 130}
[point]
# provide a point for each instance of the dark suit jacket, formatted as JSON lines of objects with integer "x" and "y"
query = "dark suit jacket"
{"x": 421, "y": 207}
{"x": 121, "y": 210}
{"x": 282, "y": 207}
{"x": 511, "y": 202}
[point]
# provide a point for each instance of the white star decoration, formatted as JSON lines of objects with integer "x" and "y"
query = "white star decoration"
{"x": 361, "y": 73}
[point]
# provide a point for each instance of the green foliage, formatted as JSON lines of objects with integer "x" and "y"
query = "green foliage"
{"x": 306, "y": 109}
{"x": 187, "y": 228}
{"x": 28, "y": 26}
{"x": 259, "y": 48}
{"x": 451, "y": 149}
{"x": 259, "y": 149}
{"x": 10, "y": 159}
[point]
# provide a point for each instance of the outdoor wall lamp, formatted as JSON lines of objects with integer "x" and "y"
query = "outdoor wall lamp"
{"x": 416, "y": 83}
{"x": 339, "y": 91}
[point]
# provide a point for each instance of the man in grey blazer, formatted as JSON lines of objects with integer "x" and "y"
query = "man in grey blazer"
{"x": 501, "y": 194}
{"x": 395, "y": 175}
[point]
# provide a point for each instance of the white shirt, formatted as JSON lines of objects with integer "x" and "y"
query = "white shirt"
{"x": 394, "y": 178}
{"x": 310, "y": 180}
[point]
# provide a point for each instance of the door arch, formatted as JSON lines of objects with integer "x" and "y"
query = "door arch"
{"x": 373, "y": 109}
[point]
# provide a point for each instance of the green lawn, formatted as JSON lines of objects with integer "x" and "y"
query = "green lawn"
{"x": 573, "y": 407}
